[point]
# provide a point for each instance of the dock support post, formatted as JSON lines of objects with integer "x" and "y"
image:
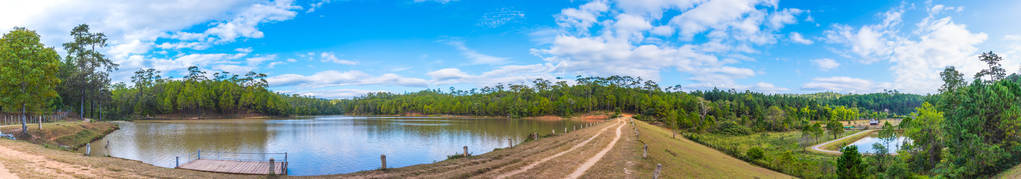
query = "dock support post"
{"x": 272, "y": 169}
{"x": 466, "y": 151}
{"x": 659, "y": 167}
{"x": 382, "y": 159}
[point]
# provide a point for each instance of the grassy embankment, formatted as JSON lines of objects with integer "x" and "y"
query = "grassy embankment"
{"x": 683, "y": 158}
{"x": 836, "y": 145}
{"x": 782, "y": 151}
{"x": 62, "y": 135}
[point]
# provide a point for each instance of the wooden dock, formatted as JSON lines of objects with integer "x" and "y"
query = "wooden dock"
{"x": 239, "y": 167}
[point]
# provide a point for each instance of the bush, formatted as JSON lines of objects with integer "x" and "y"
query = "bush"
{"x": 732, "y": 128}
{"x": 755, "y": 153}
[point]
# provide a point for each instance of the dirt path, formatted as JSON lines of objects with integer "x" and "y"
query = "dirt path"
{"x": 42, "y": 165}
{"x": 819, "y": 148}
{"x": 4, "y": 173}
{"x": 599, "y": 156}
{"x": 543, "y": 160}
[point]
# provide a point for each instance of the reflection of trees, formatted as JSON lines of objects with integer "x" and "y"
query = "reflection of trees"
{"x": 486, "y": 129}
{"x": 159, "y": 142}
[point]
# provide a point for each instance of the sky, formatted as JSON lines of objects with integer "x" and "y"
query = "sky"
{"x": 343, "y": 49}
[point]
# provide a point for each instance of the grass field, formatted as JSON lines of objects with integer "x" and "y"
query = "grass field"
{"x": 782, "y": 152}
{"x": 682, "y": 158}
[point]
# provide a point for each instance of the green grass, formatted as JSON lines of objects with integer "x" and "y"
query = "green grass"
{"x": 783, "y": 152}
{"x": 682, "y": 158}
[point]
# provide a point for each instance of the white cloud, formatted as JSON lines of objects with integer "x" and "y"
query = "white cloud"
{"x": 825, "y": 64}
{"x": 348, "y": 78}
{"x": 917, "y": 57}
{"x": 503, "y": 74}
{"x": 474, "y": 56}
{"x": 330, "y": 57}
{"x": 500, "y": 17}
{"x": 436, "y": 1}
{"x": 797, "y": 38}
{"x": 243, "y": 24}
{"x": 843, "y": 84}
{"x": 332, "y": 93}
{"x": 600, "y": 39}
{"x": 134, "y": 27}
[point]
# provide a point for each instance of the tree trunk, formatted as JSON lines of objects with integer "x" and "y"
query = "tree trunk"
{"x": 81, "y": 106}
{"x": 24, "y": 125}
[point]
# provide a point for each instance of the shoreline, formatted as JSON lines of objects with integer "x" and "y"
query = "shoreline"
{"x": 588, "y": 117}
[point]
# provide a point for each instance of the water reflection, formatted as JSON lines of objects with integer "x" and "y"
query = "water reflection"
{"x": 320, "y": 145}
{"x": 865, "y": 145}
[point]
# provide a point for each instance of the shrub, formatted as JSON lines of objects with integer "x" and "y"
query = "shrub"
{"x": 732, "y": 128}
{"x": 755, "y": 153}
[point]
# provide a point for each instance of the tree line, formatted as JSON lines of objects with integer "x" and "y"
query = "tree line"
{"x": 968, "y": 130}
{"x": 196, "y": 94}
{"x": 710, "y": 110}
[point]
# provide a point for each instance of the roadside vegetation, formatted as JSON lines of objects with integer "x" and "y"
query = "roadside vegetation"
{"x": 786, "y": 152}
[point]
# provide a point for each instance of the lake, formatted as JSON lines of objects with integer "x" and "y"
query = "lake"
{"x": 319, "y": 145}
{"x": 865, "y": 144}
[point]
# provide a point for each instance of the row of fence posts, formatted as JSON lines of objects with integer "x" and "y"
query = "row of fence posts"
{"x": 645, "y": 150}
{"x": 510, "y": 143}
{"x": 15, "y": 118}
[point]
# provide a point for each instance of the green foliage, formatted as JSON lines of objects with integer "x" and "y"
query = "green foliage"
{"x": 224, "y": 94}
{"x": 29, "y": 72}
{"x": 731, "y": 128}
{"x": 755, "y": 153}
{"x": 697, "y": 111}
{"x": 850, "y": 165}
{"x": 85, "y": 71}
{"x": 835, "y": 128}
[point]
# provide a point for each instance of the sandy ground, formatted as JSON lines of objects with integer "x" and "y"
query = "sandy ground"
{"x": 543, "y": 160}
{"x": 599, "y": 156}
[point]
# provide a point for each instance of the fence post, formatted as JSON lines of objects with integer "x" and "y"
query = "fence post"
{"x": 645, "y": 150}
{"x": 659, "y": 167}
{"x": 272, "y": 169}
{"x": 382, "y": 159}
{"x": 466, "y": 151}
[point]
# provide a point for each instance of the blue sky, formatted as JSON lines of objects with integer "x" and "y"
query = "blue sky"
{"x": 339, "y": 49}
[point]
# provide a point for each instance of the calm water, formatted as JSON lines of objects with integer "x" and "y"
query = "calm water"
{"x": 319, "y": 145}
{"x": 865, "y": 144}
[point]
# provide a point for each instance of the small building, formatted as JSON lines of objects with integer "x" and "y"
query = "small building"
{"x": 873, "y": 122}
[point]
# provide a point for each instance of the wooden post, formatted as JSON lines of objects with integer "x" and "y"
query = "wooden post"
{"x": 659, "y": 167}
{"x": 466, "y": 151}
{"x": 382, "y": 159}
{"x": 645, "y": 151}
{"x": 272, "y": 169}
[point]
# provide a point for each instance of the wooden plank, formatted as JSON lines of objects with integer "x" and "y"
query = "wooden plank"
{"x": 240, "y": 167}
